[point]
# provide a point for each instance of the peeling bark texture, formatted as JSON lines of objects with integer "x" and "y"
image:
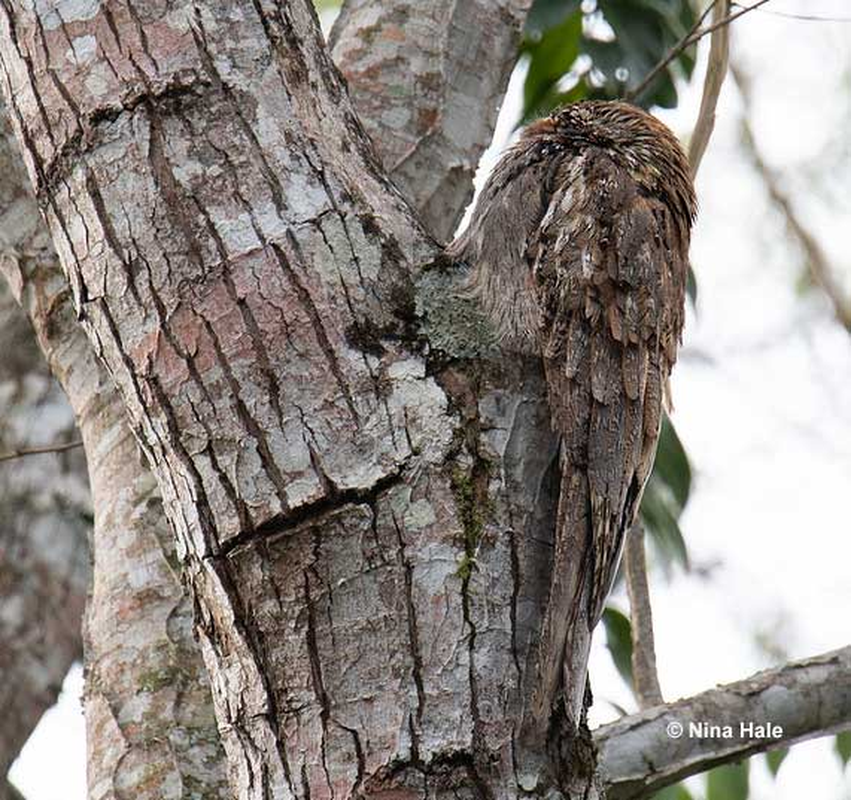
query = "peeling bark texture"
{"x": 427, "y": 80}
{"x": 363, "y": 515}
{"x": 806, "y": 699}
{"x": 150, "y": 726}
{"x": 45, "y": 516}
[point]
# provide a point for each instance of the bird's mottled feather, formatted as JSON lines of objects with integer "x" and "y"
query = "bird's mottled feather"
{"x": 579, "y": 253}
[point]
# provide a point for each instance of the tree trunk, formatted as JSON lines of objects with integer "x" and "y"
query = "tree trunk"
{"x": 354, "y": 474}
{"x": 150, "y": 727}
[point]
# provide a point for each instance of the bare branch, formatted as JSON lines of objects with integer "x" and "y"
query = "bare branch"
{"x": 689, "y": 39}
{"x": 642, "y": 753}
{"x": 645, "y": 677}
{"x": 37, "y": 451}
{"x": 716, "y": 71}
{"x": 818, "y": 264}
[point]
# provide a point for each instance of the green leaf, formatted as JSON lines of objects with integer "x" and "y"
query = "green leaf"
{"x": 842, "y": 743}
{"x": 676, "y": 792}
{"x": 666, "y": 495}
{"x": 546, "y": 14}
{"x": 645, "y": 30}
{"x": 659, "y": 513}
{"x": 672, "y": 464}
{"x": 691, "y": 286}
{"x": 619, "y": 641}
{"x": 728, "y": 782}
{"x": 774, "y": 758}
{"x": 550, "y": 58}
{"x": 644, "y": 33}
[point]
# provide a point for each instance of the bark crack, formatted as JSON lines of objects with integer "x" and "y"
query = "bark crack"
{"x": 316, "y": 661}
{"x": 251, "y": 425}
{"x": 311, "y": 512}
{"x": 414, "y": 637}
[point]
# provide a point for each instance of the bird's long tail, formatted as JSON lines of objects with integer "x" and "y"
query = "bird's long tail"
{"x": 567, "y": 626}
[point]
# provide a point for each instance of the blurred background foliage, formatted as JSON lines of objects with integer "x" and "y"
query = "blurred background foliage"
{"x": 603, "y": 49}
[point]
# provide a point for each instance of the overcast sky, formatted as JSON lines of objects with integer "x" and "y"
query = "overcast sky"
{"x": 763, "y": 405}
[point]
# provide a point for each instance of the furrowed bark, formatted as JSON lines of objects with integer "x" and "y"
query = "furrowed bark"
{"x": 427, "y": 80}
{"x": 150, "y": 726}
{"x": 246, "y": 272}
{"x": 808, "y": 698}
{"x": 361, "y": 493}
{"x": 46, "y": 515}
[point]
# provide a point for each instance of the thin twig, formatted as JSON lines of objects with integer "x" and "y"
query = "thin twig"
{"x": 716, "y": 71}
{"x": 818, "y": 264}
{"x": 37, "y": 451}
{"x": 800, "y": 17}
{"x": 645, "y": 678}
{"x": 689, "y": 39}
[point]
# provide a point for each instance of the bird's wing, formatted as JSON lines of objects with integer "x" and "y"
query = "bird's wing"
{"x": 501, "y": 240}
{"x": 609, "y": 269}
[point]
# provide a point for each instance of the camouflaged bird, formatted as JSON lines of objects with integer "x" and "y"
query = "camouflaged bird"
{"x": 578, "y": 252}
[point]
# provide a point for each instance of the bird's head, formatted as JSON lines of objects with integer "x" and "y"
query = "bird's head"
{"x": 638, "y": 140}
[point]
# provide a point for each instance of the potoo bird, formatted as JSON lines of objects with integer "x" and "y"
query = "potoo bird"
{"x": 578, "y": 252}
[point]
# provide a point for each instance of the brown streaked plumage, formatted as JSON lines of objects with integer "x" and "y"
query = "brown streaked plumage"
{"x": 578, "y": 249}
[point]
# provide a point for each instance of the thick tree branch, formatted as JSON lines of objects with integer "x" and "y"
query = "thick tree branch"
{"x": 427, "y": 80}
{"x": 44, "y": 520}
{"x": 809, "y": 698}
{"x": 262, "y": 295}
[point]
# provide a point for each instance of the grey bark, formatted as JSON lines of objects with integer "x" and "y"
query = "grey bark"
{"x": 427, "y": 80}
{"x": 150, "y": 728}
{"x": 360, "y": 485}
{"x": 45, "y": 515}
{"x": 807, "y": 698}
